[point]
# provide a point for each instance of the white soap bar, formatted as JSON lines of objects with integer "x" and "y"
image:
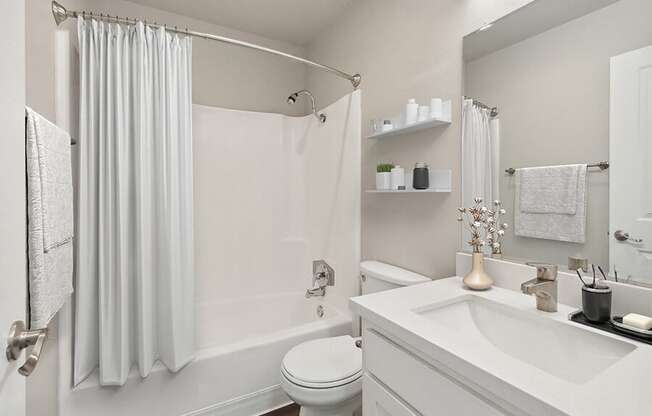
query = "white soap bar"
{"x": 638, "y": 321}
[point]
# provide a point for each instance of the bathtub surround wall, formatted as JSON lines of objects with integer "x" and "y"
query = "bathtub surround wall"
{"x": 556, "y": 111}
{"x": 406, "y": 49}
{"x": 273, "y": 193}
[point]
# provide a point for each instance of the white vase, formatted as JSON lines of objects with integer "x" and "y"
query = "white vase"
{"x": 383, "y": 181}
{"x": 478, "y": 279}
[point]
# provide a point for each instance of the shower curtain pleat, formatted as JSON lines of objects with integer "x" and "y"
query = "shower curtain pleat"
{"x": 480, "y": 156}
{"x": 135, "y": 277}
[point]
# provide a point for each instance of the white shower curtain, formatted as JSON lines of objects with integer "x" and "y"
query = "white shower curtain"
{"x": 135, "y": 281}
{"x": 480, "y": 155}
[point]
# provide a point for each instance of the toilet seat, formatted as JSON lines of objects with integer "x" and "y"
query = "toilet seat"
{"x": 323, "y": 363}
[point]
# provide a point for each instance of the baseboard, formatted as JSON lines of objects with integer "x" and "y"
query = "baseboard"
{"x": 257, "y": 403}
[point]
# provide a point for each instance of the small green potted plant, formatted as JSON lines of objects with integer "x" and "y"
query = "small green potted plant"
{"x": 383, "y": 176}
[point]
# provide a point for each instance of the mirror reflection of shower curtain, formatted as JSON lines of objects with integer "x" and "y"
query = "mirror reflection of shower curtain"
{"x": 480, "y": 155}
{"x": 134, "y": 292}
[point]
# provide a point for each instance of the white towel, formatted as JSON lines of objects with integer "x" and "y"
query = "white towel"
{"x": 554, "y": 220}
{"x": 50, "y": 218}
{"x": 550, "y": 189}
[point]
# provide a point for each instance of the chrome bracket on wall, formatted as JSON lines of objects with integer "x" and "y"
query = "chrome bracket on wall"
{"x": 20, "y": 338}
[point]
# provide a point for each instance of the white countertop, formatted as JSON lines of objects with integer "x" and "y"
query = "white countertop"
{"x": 622, "y": 389}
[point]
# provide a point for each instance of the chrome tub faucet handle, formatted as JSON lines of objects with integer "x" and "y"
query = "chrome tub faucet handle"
{"x": 322, "y": 275}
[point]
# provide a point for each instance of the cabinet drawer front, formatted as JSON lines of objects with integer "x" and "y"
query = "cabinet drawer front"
{"x": 376, "y": 401}
{"x": 426, "y": 389}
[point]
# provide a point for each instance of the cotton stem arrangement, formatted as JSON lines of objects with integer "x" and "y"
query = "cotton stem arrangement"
{"x": 484, "y": 225}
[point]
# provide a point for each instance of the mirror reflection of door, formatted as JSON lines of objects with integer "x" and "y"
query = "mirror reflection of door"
{"x": 630, "y": 141}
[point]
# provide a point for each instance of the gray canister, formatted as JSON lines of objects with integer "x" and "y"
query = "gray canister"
{"x": 420, "y": 176}
{"x": 596, "y": 303}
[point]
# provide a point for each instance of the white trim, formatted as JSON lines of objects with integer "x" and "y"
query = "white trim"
{"x": 257, "y": 403}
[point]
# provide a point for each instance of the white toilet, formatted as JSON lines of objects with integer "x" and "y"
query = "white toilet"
{"x": 324, "y": 376}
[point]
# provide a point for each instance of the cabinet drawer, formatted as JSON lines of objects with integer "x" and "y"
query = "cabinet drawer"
{"x": 419, "y": 384}
{"x": 376, "y": 401}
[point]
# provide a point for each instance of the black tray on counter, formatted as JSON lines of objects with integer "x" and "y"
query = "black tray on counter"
{"x": 579, "y": 317}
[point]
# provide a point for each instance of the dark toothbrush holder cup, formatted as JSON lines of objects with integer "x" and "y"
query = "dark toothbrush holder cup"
{"x": 596, "y": 303}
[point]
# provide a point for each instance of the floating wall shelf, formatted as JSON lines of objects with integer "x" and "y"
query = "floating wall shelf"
{"x": 407, "y": 191}
{"x": 440, "y": 182}
{"x": 421, "y": 125}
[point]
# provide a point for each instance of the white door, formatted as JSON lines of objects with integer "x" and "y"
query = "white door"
{"x": 12, "y": 197}
{"x": 630, "y": 173}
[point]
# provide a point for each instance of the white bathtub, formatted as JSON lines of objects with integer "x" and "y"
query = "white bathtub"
{"x": 236, "y": 371}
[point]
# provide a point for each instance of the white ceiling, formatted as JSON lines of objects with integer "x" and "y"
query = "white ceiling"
{"x": 530, "y": 20}
{"x": 294, "y": 21}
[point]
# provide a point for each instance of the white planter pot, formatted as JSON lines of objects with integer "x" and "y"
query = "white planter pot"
{"x": 383, "y": 181}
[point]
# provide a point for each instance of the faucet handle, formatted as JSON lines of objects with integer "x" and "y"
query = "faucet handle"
{"x": 322, "y": 273}
{"x": 545, "y": 271}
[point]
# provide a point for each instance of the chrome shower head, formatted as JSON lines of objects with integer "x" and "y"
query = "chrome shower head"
{"x": 293, "y": 99}
{"x": 59, "y": 12}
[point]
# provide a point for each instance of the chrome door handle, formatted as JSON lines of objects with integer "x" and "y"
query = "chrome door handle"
{"x": 20, "y": 338}
{"x": 621, "y": 235}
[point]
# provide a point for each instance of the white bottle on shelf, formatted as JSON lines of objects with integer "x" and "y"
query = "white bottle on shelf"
{"x": 398, "y": 178}
{"x": 411, "y": 111}
{"x": 436, "y": 108}
{"x": 424, "y": 113}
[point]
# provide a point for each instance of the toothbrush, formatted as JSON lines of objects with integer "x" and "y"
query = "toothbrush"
{"x": 593, "y": 267}
{"x": 602, "y": 272}
{"x": 581, "y": 280}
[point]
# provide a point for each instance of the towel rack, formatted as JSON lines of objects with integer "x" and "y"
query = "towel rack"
{"x": 601, "y": 165}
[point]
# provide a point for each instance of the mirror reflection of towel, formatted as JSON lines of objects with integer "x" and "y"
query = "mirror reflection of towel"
{"x": 550, "y": 203}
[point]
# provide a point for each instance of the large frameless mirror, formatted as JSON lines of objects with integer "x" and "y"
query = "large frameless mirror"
{"x": 557, "y": 85}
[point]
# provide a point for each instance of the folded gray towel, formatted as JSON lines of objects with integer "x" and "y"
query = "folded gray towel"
{"x": 50, "y": 218}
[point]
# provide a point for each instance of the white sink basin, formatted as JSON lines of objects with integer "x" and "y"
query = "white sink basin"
{"x": 560, "y": 349}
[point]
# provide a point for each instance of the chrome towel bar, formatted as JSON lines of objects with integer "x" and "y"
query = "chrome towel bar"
{"x": 601, "y": 165}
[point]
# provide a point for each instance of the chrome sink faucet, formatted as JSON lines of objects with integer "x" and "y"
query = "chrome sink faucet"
{"x": 543, "y": 287}
{"x": 322, "y": 275}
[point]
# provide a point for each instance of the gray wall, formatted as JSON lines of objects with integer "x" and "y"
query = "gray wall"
{"x": 553, "y": 94}
{"x": 223, "y": 75}
{"x": 12, "y": 197}
{"x": 406, "y": 49}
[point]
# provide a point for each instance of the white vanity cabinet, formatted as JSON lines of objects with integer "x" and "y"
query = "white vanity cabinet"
{"x": 398, "y": 382}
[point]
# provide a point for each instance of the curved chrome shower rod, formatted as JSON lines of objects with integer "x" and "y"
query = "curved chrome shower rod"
{"x": 60, "y": 14}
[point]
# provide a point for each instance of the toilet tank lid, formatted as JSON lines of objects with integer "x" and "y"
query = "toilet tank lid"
{"x": 391, "y": 274}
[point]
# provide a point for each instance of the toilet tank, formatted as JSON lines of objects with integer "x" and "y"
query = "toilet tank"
{"x": 377, "y": 276}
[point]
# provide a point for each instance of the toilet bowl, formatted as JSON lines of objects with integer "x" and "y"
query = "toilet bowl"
{"x": 324, "y": 376}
